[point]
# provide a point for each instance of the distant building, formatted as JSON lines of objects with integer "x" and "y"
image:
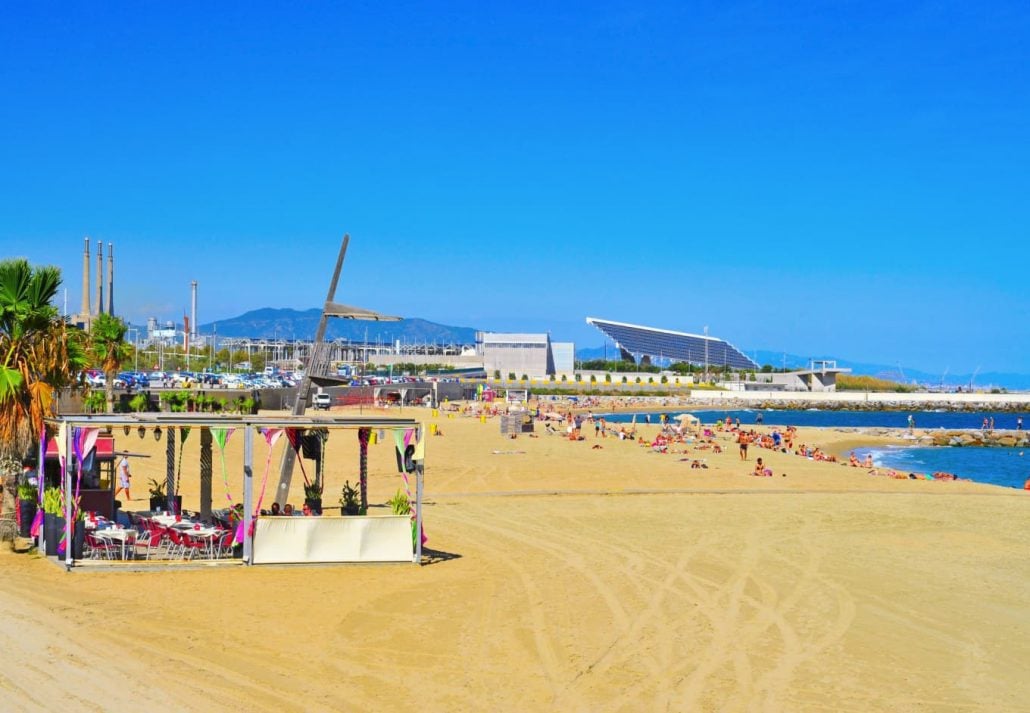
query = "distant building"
{"x": 518, "y": 354}
{"x": 821, "y": 376}
{"x": 564, "y": 357}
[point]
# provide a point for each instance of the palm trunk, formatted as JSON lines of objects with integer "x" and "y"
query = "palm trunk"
{"x": 109, "y": 390}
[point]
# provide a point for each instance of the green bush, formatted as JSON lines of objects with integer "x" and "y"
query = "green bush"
{"x": 139, "y": 403}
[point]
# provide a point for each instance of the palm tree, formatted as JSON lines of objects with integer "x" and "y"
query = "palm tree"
{"x": 39, "y": 352}
{"x": 109, "y": 349}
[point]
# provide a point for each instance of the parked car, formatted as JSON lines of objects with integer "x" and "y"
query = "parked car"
{"x": 322, "y": 401}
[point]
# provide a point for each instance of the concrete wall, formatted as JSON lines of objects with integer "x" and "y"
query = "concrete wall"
{"x": 458, "y": 362}
{"x": 530, "y": 361}
{"x": 862, "y": 398}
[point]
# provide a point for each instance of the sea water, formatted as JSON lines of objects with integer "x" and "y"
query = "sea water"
{"x": 997, "y": 466}
{"x": 1009, "y": 467}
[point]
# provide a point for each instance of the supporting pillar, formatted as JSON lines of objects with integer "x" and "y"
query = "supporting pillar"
{"x": 170, "y": 467}
{"x": 419, "y": 477}
{"x": 205, "y": 473}
{"x": 69, "y": 498}
{"x": 248, "y": 493}
{"x": 363, "y": 436}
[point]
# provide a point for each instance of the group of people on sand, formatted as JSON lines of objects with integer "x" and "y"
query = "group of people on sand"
{"x": 287, "y": 511}
{"x": 871, "y": 468}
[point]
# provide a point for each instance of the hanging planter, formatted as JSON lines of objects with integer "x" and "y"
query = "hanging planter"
{"x": 157, "y": 433}
{"x": 141, "y": 431}
{"x": 126, "y": 429}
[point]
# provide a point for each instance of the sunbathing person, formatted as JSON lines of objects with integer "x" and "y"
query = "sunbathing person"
{"x": 761, "y": 471}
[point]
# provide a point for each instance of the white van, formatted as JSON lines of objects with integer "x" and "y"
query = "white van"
{"x": 322, "y": 401}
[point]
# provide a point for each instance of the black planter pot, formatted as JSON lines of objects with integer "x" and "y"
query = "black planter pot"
{"x": 52, "y": 533}
{"x": 315, "y": 504}
{"x": 162, "y": 503}
{"x": 350, "y": 510}
{"x": 79, "y": 539}
{"x": 27, "y": 510}
{"x": 53, "y": 529}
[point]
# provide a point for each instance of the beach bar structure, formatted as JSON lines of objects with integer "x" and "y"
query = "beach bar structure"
{"x": 274, "y": 539}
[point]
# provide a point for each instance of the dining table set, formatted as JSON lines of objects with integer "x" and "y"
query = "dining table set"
{"x": 108, "y": 540}
{"x": 157, "y": 536}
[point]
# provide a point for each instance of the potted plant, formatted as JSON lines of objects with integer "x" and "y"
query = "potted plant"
{"x": 399, "y": 504}
{"x": 53, "y": 510}
{"x": 54, "y": 523}
{"x": 349, "y": 500}
{"x": 159, "y": 496}
{"x": 313, "y": 497}
{"x": 26, "y": 507}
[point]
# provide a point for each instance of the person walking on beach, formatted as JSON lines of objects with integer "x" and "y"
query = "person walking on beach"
{"x": 123, "y": 478}
{"x": 742, "y": 441}
{"x": 911, "y": 423}
{"x": 1019, "y": 423}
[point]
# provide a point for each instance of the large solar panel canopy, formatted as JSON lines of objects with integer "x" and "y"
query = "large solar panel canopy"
{"x": 676, "y": 346}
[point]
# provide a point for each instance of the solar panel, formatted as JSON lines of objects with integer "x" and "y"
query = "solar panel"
{"x": 676, "y": 346}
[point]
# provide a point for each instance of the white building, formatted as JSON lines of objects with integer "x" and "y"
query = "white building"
{"x": 518, "y": 354}
{"x": 564, "y": 357}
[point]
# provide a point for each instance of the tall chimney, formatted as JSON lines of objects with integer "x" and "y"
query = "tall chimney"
{"x": 110, "y": 278}
{"x": 85, "y": 282}
{"x": 100, "y": 278}
{"x": 193, "y": 309}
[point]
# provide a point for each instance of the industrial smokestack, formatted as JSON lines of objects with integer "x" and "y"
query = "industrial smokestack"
{"x": 110, "y": 278}
{"x": 85, "y": 281}
{"x": 193, "y": 309}
{"x": 100, "y": 278}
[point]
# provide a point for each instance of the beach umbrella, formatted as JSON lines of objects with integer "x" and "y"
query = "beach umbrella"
{"x": 688, "y": 418}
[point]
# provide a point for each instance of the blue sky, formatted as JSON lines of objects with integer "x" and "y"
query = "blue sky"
{"x": 843, "y": 179}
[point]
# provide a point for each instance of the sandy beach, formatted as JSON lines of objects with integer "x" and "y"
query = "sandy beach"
{"x": 561, "y": 576}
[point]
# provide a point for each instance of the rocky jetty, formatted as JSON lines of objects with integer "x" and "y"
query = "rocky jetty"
{"x": 970, "y": 437}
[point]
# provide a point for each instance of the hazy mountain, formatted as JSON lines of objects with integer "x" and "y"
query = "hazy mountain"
{"x": 269, "y": 323}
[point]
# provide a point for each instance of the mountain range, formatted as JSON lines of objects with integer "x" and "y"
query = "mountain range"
{"x": 270, "y": 323}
